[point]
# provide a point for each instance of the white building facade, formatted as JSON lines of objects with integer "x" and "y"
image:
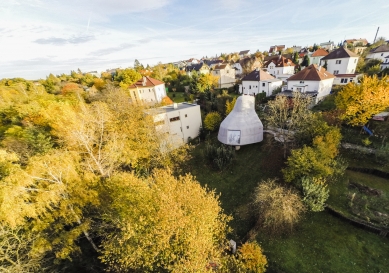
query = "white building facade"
{"x": 226, "y": 75}
{"x": 340, "y": 61}
{"x": 182, "y": 121}
{"x": 148, "y": 90}
{"x": 259, "y": 81}
{"x": 380, "y": 53}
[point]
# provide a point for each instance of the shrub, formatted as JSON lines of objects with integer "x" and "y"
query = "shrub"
{"x": 219, "y": 156}
{"x": 315, "y": 193}
{"x": 279, "y": 208}
{"x": 212, "y": 121}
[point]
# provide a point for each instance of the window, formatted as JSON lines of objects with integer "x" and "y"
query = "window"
{"x": 249, "y": 86}
{"x": 174, "y": 119}
{"x": 351, "y": 79}
{"x": 263, "y": 84}
{"x": 382, "y": 54}
{"x": 186, "y": 115}
{"x": 343, "y": 81}
{"x": 338, "y": 61}
{"x": 187, "y": 127}
{"x": 336, "y": 72}
{"x": 301, "y": 81}
{"x": 299, "y": 89}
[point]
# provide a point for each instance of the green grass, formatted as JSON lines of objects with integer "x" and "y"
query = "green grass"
{"x": 178, "y": 96}
{"x": 327, "y": 104}
{"x": 324, "y": 243}
{"x": 320, "y": 243}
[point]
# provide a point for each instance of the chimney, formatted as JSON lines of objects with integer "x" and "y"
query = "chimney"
{"x": 144, "y": 81}
{"x": 175, "y": 105}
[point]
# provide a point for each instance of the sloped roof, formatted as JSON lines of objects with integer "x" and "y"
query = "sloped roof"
{"x": 244, "y": 52}
{"x": 320, "y": 52}
{"x": 381, "y": 48}
{"x": 220, "y": 66}
{"x": 341, "y": 52}
{"x": 146, "y": 82}
{"x": 280, "y": 62}
{"x": 211, "y": 62}
{"x": 258, "y": 75}
{"x": 195, "y": 67}
{"x": 311, "y": 73}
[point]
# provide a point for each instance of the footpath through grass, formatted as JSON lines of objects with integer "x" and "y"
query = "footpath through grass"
{"x": 320, "y": 243}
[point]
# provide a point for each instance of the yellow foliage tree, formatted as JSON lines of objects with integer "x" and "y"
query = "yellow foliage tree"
{"x": 207, "y": 82}
{"x": 230, "y": 105}
{"x": 162, "y": 224}
{"x": 359, "y": 102}
{"x": 212, "y": 121}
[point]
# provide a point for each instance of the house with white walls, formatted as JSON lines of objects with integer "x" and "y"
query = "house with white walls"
{"x": 201, "y": 68}
{"x": 328, "y": 45}
{"x": 238, "y": 68}
{"x": 343, "y": 79}
{"x": 340, "y": 61}
{"x": 182, "y": 121}
{"x": 276, "y": 49}
{"x": 313, "y": 80}
{"x": 147, "y": 90}
{"x": 379, "y": 52}
{"x": 279, "y": 65}
{"x": 226, "y": 75}
{"x": 244, "y": 53}
{"x": 316, "y": 56}
{"x": 259, "y": 81}
{"x": 385, "y": 63}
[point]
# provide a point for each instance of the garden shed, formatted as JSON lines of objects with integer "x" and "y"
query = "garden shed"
{"x": 242, "y": 126}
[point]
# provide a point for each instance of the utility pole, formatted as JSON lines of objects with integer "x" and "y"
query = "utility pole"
{"x": 376, "y": 34}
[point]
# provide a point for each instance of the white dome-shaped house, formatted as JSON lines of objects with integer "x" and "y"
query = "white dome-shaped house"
{"x": 242, "y": 126}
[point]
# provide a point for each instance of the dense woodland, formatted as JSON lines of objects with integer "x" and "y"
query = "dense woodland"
{"x": 86, "y": 186}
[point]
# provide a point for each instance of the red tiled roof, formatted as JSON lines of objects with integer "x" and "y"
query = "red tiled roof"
{"x": 148, "y": 82}
{"x": 280, "y": 62}
{"x": 320, "y": 52}
{"x": 311, "y": 73}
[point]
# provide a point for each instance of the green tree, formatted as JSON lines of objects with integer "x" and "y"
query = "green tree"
{"x": 230, "y": 105}
{"x": 360, "y": 101}
{"x": 305, "y": 61}
{"x": 212, "y": 121}
{"x": 315, "y": 193}
{"x": 207, "y": 82}
{"x": 318, "y": 160}
{"x": 138, "y": 66}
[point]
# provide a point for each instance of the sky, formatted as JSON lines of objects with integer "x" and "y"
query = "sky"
{"x": 39, "y": 37}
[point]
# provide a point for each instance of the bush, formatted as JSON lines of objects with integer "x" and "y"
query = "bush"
{"x": 279, "y": 208}
{"x": 315, "y": 193}
{"x": 212, "y": 121}
{"x": 219, "y": 156}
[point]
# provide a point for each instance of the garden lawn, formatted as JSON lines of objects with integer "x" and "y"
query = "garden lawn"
{"x": 252, "y": 164}
{"x": 320, "y": 243}
{"x": 178, "y": 96}
{"x": 324, "y": 243}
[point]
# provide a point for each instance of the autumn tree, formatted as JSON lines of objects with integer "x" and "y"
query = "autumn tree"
{"x": 279, "y": 208}
{"x": 127, "y": 76}
{"x": 212, "y": 121}
{"x": 359, "y": 102}
{"x": 207, "y": 82}
{"x": 287, "y": 115}
{"x": 315, "y": 192}
{"x": 162, "y": 224}
{"x": 230, "y": 105}
{"x": 318, "y": 160}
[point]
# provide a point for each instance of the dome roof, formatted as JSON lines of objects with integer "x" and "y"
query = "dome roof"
{"x": 242, "y": 126}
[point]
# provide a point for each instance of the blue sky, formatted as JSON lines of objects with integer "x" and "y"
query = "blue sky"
{"x": 38, "y": 37}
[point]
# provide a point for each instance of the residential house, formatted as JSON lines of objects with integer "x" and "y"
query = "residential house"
{"x": 379, "y": 52}
{"x": 147, "y": 90}
{"x": 356, "y": 42}
{"x": 226, "y": 75}
{"x": 315, "y": 57}
{"x": 192, "y": 61}
{"x": 296, "y": 48}
{"x": 201, "y": 68}
{"x": 340, "y": 61}
{"x": 182, "y": 121}
{"x": 328, "y": 45}
{"x": 259, "y": 81}
{"x": 343, "y": 79}
{"x": 279, "y": 65}
{"x": 312, "y": 80}
{"x": 212, "y": 63}
{"x": 244, "y": 53}
{"x": 385, "y": 63}
{"x": 277, "y": 48}
{"x": 248, "y": 64}
{"x": 238, "y": 68}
